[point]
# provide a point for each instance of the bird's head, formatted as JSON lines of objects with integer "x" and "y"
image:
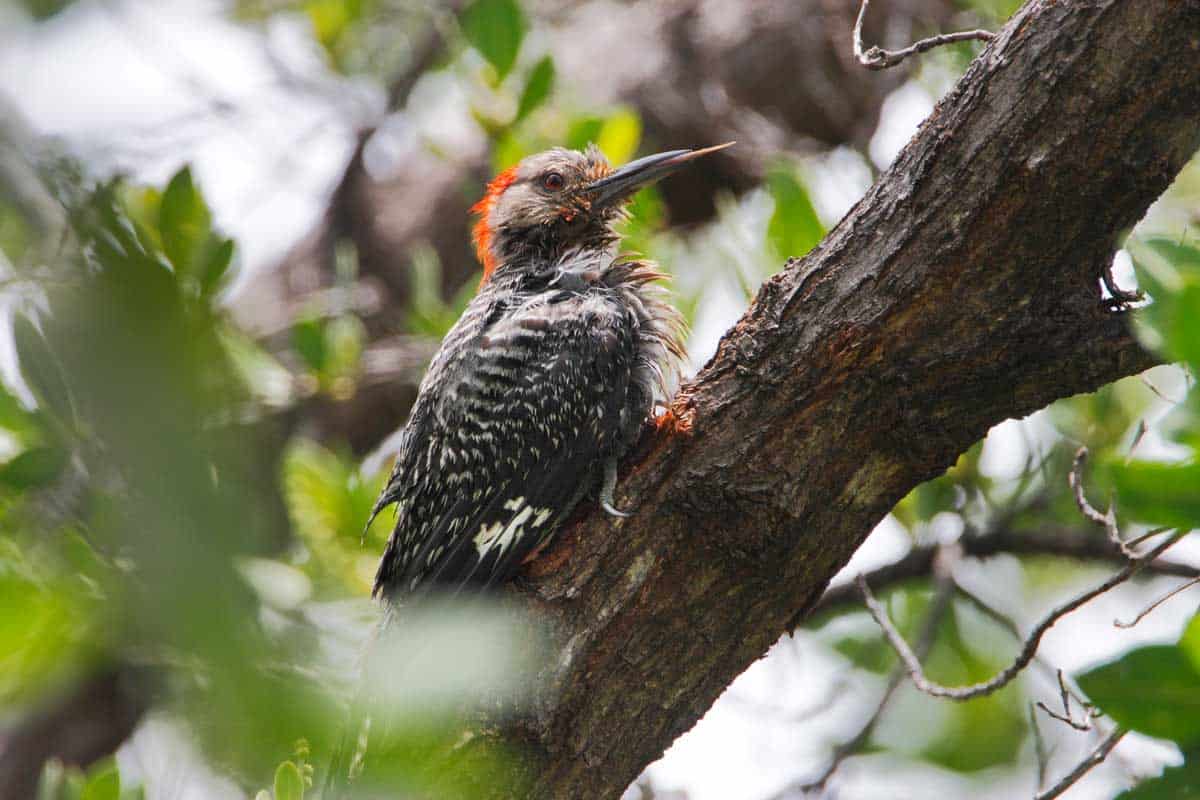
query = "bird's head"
{"x": 561, "y": 199}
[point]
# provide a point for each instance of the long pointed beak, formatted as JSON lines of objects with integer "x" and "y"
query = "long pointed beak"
{"x": 622, "y": 183}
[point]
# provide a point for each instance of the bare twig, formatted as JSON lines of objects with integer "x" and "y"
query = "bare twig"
{"x": 1135, "y": 541}
{"x": 1145, "y": 611}
{"x": 1067, "y": 717}
{"x": 1028, "y": 650}
{"x": 1083, "y": 767}
{"x": 877, "y": 58}
{"x": 1039, "y": 748}
{"x": 943, "y": 594}
{"x": 1109, "y": 518}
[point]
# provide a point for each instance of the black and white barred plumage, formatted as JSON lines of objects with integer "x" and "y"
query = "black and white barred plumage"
{"x": 545, "y": 380}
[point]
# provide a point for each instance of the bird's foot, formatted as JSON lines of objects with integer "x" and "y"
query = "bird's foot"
{"x": 607, "y": 489}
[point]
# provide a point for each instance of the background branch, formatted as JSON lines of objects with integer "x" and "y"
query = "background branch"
{"x": 1028, "y": 649}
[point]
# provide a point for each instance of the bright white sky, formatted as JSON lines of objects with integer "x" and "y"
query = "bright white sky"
{"x": 133, "y": 85}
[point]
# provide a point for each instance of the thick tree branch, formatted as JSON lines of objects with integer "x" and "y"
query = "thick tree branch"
{"x": 963, "y": 289}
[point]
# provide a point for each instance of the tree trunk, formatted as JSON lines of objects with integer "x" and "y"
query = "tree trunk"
{"x": 962, "y": 290}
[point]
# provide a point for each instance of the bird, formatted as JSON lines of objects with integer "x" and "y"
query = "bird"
{"x": 542, "y": 385}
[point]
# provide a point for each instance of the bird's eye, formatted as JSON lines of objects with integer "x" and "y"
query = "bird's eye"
{"x": 552, "y": 181}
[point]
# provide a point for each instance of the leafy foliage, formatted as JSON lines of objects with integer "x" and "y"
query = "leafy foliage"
{"x": 496, "y": 29}
{"x": 794, "y": 228}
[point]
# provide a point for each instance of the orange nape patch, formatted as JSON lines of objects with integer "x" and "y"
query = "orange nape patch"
{"x": 482, "y": 233}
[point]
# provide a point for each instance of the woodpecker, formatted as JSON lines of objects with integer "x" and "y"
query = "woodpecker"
{"x": 542, "y": 385}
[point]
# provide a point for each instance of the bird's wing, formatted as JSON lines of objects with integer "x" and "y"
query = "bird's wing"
{"x": 503, "y": 445}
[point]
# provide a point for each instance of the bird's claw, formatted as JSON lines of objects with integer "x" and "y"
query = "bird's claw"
{"x": 607, "y": 489}
{"x": 613, "y": 511}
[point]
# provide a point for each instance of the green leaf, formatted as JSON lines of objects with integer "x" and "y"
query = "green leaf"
{"x": 537, "y": 88}
{"x": 583, "y": 130}
{"x": 43, "y": 9}
{"x": 620, "y": 135}
{"x": 344, "y": 337}
{"x": 183, "y": 221}
{"x": 1153, "y": 690}
{"x": 1170, "y": 272}
{"x": 330, "y": 19}
{"x": 1157, "y": 493}
{"x": 289, "y": 784}
{"x": 794, "y": 228}
{"x": 35, "y": 467}
{"x": 42, "y": 370}
{"x": 495, "y": 28}
{"x": 1176, "y": 783}
{"x": 1184, "y": 257}
{"x": 308, "y": 339}
{"x": 103, "y": 782}
{"x": 215, "y": 265}
{"x": 1189, "y": 642}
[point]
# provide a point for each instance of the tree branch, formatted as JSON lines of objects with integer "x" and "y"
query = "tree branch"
{"x": 962, "y": 290}
{"x": 1083, "y": 767}
{"x": 1028, "y": 649}
{"x": 942, "y": 597}
{"x": 1061, "y": 543}
{"x": 878, "y": 58}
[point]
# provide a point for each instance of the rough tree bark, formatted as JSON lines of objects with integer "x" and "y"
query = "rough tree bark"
{"x": 962, "y": 290}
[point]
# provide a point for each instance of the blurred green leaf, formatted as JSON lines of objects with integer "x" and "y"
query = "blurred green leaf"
{"x": 308, "y": 340}
{"x": 215, "y": 265}
{"x": 583, "y": 130}
{"x": 537, "y": 88}
{"x": 1154, "y": 492}
{"x": 1189, "y": 642}
{"x": 1153, "y": 690}
{"x": 620, "y": 135}
{"x": 42, "y": 370}
{"x": 329, "y": 502}
{"x": 495, "y": 28}
{"x": 35, "y": 467}
{"x": 183, "y": 221}
{"x": 332, "y": 350}
{"x": 103, "y": 782}
{"x": 43, "y": 9}
{"x": 1170, "y": 272}
{"x": 289, "y": 785}
{"x": 428, "y": 314}
{"x": 794, "y": 228}
{"x": 1175, "y": 783}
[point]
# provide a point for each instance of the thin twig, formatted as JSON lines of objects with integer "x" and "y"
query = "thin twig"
{"x": 1039, "y": 748}
{"x": 1066, "y": 693}
{"x": 1028, "y": 650}
{"x": 1109, "y": 518}
{"x": 877, "y": 58}
{"x": 943, "y": 594}
{"x": 1135, "y": 541}
{"x": 1145, "y": 611}
{"x": 1083, "y": 767}
{"x": 1066, "y": 717}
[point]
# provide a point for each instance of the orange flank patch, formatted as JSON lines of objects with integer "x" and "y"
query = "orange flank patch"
{"x": 481, "y": 234}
